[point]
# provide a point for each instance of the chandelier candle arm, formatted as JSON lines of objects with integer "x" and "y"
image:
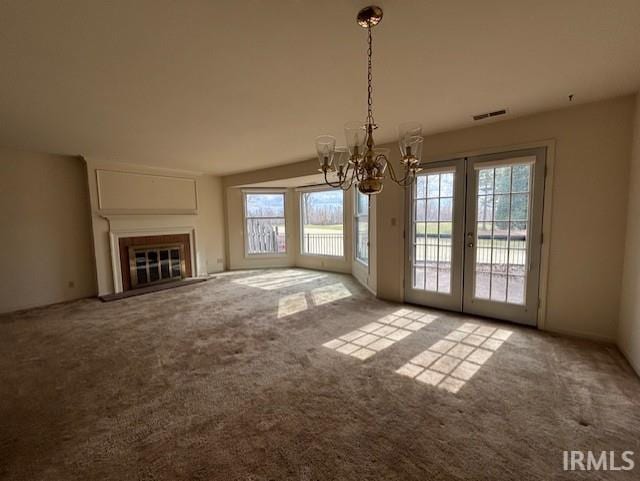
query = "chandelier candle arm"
{"x": 368, "y": 164}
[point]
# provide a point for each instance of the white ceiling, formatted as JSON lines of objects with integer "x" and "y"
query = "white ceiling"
{"x": 230, "y": 86}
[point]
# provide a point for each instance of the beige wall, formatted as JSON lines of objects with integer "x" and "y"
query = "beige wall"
{"x": 592, "y": 143}
{"x": 629, "y": 330}
{"x": 46, "y": 254}
{"x": 211, "y": 221}
{"x": 157, "y": 200}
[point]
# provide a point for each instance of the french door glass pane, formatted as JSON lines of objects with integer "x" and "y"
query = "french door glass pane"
{"x": 418, "y": 277}
{"x": 502, "y": 213}
{"x": 433, "y": 220}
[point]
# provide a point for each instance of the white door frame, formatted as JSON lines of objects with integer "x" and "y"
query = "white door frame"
{"x": 523, "y": 314}
{"x": 547, "y": 218}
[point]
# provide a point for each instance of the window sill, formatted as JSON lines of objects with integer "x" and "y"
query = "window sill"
{"x": 265, "y": 256}
{"x": 323, "y": 256}
{"x": 362, "y": 263}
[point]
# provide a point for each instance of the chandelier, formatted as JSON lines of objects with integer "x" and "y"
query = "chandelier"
{"x": 361, "y": 161}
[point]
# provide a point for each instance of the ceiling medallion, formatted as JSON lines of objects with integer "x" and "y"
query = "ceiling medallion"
{"x": 360, "y": 162}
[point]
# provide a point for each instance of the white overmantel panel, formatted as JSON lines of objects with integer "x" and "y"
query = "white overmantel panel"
{"x": 134, "y": 192}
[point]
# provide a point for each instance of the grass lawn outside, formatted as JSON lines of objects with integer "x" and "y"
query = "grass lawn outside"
{"x": 323, "y": 229}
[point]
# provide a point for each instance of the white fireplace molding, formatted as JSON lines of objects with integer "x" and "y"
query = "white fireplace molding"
{"x": 148, "y": 225}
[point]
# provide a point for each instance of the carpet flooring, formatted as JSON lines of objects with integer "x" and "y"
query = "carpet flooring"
{"x": 300, "y": 375}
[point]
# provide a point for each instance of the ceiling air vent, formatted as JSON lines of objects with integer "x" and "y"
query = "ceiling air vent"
{"x": 495, "y": 113}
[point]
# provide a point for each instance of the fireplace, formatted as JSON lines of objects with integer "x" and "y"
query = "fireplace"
{"x": 153, "y": 264}
{"x": 148, "y": 260}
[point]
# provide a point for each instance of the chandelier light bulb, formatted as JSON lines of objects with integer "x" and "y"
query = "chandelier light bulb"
{"x": 325, "y": 147}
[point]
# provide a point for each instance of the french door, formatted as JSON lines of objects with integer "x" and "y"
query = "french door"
{"x": 475, "y": 232}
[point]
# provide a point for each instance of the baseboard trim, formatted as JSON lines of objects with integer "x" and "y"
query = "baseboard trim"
{"x": 582, "y": 335}
{"x": 152, "y": 288}
{"x": 634, "y": 366}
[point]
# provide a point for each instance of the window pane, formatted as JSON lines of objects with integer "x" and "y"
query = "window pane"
{"x": 432, "y": 209}
{"x": 515, "y": 293}
{"x": 519, "y": 207}
{"x": 421, "y": 230}
{"x": 485, "y": 182}
{"x": 420, "y": 208}
{"x": 446, "y": 209}
{"x": 421, "y": 187}
{"x": 445, "y": 229}
{"x": 266, "y": 236}
{"x": 322, "y": 226}
{"x": 432, "y": 230}
{"x": 482, "y": 283}
{"x": 265, "y": 205}
{"x": 433, "y": 185}
{"x": 362, "y": 227}
{"x": 363, "y": 203}
{"x": 431, "y": 277}
{"x": 503, "y": 180}
{"x": 446, "y": 185}
{"x": 485, "y": 208}
{"x": 362, "y": 239}
{"x": 444, "y": 278}
{"x": 418, "y": 277}
{"x": 501, "y": 207}
{"x": 498, "y": 287}
{"x": 520, "y": 180}
{"x": 518, "y": 248}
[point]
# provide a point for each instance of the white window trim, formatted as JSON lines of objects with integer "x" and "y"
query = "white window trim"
{"x": 356, "y": 218}
{"x": 247, "y": 254}
{"x": 301, "y": 192}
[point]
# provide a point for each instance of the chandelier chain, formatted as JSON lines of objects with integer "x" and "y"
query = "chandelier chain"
{"x": 362, "y": 164}
{"x": 369, "y": 79}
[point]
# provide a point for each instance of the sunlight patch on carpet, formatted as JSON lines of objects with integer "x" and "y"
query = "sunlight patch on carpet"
{"x": 326, "y": 294}
{"x": 300, "y": 301}
{"x": 292, "y": 304}
{"x": 451, "y": 362}
{"x": 367, "y": 340}
{"x": 280, "y": 279}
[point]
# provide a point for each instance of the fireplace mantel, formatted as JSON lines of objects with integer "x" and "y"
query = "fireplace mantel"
{"x": 136, "y": 225}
